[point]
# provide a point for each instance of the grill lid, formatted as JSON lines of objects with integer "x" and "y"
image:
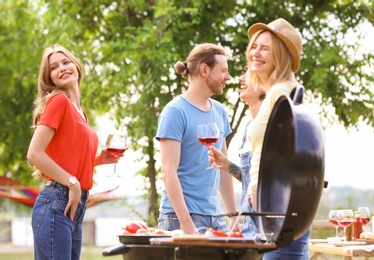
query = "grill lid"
{"x": 291, "y": 174}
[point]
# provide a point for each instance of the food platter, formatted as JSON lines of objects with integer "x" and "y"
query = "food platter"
{"x": 139, "y": 238}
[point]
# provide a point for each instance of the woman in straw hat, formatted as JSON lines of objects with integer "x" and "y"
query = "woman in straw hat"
{"x": 273, "y": 56}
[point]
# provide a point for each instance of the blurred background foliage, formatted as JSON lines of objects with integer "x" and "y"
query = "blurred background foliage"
{"x": 128, "y": 49}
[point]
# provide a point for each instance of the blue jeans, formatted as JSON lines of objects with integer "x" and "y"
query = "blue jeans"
{"x": 170, "y": 221}
{"x": 55, "y": 235}
{"x": 249, "y": 229}
{"x": 297, "y": 250}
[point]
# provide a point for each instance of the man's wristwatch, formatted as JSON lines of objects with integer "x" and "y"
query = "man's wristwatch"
{"x": 72, "y": 180}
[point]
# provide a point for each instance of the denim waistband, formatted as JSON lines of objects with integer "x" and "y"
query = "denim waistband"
{"x": 53, "y": 184}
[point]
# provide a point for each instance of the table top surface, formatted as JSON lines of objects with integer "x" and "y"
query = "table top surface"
{"x": 338, "y": 250}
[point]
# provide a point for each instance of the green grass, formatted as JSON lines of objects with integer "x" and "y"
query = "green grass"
{"x": 30, "y": 256}
{"x": 88, "y": 253}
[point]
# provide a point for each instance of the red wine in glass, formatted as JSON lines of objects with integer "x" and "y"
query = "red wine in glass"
{"x": 365, "y": 216}
{"x": 207, "y": 141}
{"x": 334, "y": 223}
{"x": 345, "y": 218}
{"x": 365, "y": 221}
{"x": 333, "y": 220}
{"x": 116, "y": 145}
{"x": 116, "y": 151}
{"x": 208, "y": 135}
{"x": 345, "y": 223}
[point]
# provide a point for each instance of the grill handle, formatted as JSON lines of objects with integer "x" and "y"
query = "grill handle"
{"x": 115, "y": 250}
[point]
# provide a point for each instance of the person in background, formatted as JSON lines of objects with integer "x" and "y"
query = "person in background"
{"x": 273, "y": 56}
{"x": 63, "y": 151}
{"x": 190, "y": 200}
{"x": 253, "y": 97}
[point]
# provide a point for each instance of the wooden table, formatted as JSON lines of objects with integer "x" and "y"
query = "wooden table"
{"x": 320, "y": 249}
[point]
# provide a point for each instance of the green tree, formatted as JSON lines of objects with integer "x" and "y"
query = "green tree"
{"x": 129, "y": 49}
{"x": 18, "y": 76}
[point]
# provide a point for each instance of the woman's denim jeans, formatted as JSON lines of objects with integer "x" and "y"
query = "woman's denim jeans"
{"x": 169, "y": 221}
{"x": 55, "y": 235}
{"x": 297, "y": 250}
{"x": 249, "y": 229}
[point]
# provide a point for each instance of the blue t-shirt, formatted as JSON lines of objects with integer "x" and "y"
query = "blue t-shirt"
{"x": 178, "y": 121}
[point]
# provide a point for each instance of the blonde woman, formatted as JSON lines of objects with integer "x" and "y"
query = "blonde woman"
{"x": 273, "y": 56}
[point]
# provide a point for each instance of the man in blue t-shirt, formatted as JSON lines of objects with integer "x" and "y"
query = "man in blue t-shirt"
{"x": 190, "y": 200}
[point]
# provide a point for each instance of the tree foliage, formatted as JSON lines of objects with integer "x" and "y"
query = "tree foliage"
{"x": 129, "y": 48}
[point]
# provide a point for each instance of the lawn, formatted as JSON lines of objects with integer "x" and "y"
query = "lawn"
{"x": 88, "y": 253}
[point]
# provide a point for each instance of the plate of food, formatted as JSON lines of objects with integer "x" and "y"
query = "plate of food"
{"x": 136, "y": 232}
{"x": 139, "y": 238}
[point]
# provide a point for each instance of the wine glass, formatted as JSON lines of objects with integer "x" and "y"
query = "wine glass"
{"x": 116, "y": 145}
{"x": 345, "y": 218}
{"x": 333, "y": 220}
{"x": 365, "y": 215}
{"x": 208, "y": 135}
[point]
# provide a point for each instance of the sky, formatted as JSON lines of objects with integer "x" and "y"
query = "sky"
{"x": 349, "y": 157}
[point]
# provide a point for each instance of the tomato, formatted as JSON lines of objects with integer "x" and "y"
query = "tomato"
{"x": 132, "y": 227}
{"x": 236, "y": 234}
{"x": 219, "y": 233}
{"x": 159, "y": 232}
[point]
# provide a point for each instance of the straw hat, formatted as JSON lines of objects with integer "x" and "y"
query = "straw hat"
{"x": 287, "y": 33}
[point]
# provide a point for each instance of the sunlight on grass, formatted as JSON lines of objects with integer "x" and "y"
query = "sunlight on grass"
{"x": 90, "y": 253}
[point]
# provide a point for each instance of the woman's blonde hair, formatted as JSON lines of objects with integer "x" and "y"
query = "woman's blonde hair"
{"x": 281, "y": 58}
{"x": 47, "y": 89}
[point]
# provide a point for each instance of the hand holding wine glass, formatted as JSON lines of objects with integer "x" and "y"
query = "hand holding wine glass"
{"x": 116, "y": 145}
{"x": 345, "y": 218}
{"x": 208, "y": 135}
{"x": 333, "y": 220}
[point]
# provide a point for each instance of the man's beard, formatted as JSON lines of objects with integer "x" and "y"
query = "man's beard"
{"x": 214, "y": 86}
